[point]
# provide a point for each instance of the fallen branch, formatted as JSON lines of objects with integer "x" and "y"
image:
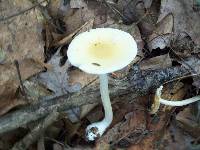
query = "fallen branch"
{"x": 138, "y": 83}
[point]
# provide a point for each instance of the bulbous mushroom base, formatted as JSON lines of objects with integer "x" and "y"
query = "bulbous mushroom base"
{"x": 95, "y": 130}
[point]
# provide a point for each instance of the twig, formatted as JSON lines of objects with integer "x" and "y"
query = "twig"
{"x": 20, "y": 79}
{"x": 136, "y": 84}
{"x": 37, "y": 131}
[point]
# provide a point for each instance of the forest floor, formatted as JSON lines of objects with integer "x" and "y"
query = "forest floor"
{"x": 46, "y": 103}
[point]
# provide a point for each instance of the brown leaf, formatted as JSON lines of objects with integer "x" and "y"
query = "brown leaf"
{"x": 8, "y": 104}
{"x": 175, "y": 138}
{"x": 134, "y": 124}
{"x": 135, "y": 12}
{"x": 159, "y": 62}
{"x": 20, "y": 36}
{"x": 165, "y": 26}
{"x": 78, "y": 76}
{"x": 186, "y": 20}
{"x": 35, "y": 90}
{"x": 186, "y": 120}
{"x": 88, "y": 25}
{"x": 146, "y": 144}
{"x": 9, "y": 81}
{"x": 19, "y": 39}
{"x": 58, "y": 8}
{"x": 94, "y": 10}
{"x": 162, "y": 34}
{"x": 8, "y": 77}
{"x": 193, "y": 66}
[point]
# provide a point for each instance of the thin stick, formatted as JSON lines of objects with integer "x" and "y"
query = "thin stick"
{"x": 20, "y": 79}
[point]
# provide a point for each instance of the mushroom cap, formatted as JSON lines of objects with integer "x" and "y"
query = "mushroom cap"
{"x": 102, "y": 50}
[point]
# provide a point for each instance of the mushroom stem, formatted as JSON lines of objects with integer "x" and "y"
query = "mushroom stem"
{"x": 106, "y": 98}
{"x": 179, "y": 103}
{"x": 96, "y": 129}
{"x": 176, "y": 103}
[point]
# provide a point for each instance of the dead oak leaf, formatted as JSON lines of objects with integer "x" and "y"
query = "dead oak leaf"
{"x": 20, "y": 36}
{"x": 134, "y": 125}
{"x": 9, "y": 81}
{"x": 56, "y": 78}
{"x": 186, "y": 19}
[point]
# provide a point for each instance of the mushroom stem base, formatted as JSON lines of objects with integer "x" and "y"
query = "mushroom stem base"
{"x": 96, "y": 130}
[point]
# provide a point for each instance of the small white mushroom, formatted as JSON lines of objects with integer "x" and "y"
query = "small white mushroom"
{"x": 102, "y": 51}
{"x": 173, "y": 103}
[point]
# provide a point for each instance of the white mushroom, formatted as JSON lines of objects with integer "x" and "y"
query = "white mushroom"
{"x": 102, "y": 51}
{"x": 159, "y": 100}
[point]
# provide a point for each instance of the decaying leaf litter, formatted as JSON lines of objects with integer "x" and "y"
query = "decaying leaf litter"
{"x": 37, "y": 35}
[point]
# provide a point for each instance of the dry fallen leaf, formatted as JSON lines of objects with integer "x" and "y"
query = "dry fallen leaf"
{"x": 135, "y": 12}
{"x": 21, "y": 40}
{"x": 9, "y": 81}
{"x": 175, "y": 138}
{"x": 192, "y": 64}
{"x": 56, "y": 78}
{"x": 146, "y": 144}
{"x": 78, "y": 76}
{"x": 20, "y": 36}
{"x": 184, "y": 47}
{"x": 58, "y": 8}
{"x": 187, "y": 121}
{"x": 164, "y": 26}
{"x": 8, "y": 104}
{"x": 162, "y": 34}
{"x": 93, "y": 10}
{"x": 85, "y": 27}
{"x": 129, "y": 130}
{"x": 186, "y": 19}
{"x": 35, "y": 90}
{"x": 158, "y": 62}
